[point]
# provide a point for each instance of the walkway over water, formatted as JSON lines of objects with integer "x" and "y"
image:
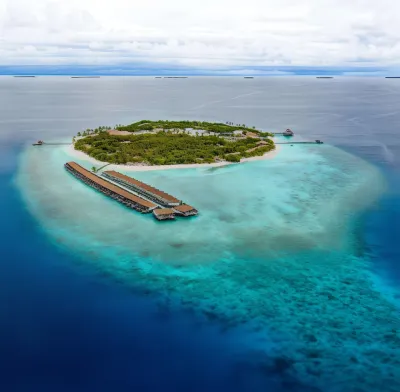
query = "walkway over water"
{"x": 316, "y": 142}
{"x": 51, "y": 144}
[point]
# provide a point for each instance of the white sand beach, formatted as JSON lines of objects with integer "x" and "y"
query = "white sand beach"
{"x": 82, "y": 156}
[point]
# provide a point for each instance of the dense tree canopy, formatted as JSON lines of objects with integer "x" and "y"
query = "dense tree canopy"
{"x": 165, "y": 148}
{"x": 148, "y": 125}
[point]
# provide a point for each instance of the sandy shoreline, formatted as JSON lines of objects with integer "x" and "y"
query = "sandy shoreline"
{"x": 82, "y": 156}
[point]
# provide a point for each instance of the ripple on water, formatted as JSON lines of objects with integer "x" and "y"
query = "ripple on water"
{"x": 273, "y": 248}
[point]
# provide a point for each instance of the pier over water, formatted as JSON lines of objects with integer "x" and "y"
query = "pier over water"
{"x": 164, "y": 199}
{"x": 148, "y": 191}
{"x": 163, "y": 205}
{"x": 107, "y": 188}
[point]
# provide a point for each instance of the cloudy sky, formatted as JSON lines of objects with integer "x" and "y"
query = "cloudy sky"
{"x": 208, "y": 34}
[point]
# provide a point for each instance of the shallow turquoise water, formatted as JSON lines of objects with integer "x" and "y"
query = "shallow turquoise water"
{"x": 275, "y": 248}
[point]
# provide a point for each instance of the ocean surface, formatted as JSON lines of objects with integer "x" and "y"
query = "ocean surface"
{"x": 288, "y": 280}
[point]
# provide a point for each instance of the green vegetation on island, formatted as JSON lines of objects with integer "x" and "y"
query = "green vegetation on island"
{"x": 167, "y": 147}
{"x": 228, "y": 128}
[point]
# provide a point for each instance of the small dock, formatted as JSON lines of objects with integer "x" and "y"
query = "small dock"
{"x": 315, "y": 142}
{"x": 55, "y": 144}
{"x": 42, "y": 143}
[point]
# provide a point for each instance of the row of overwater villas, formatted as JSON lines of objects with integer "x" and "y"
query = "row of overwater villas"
{"x": 163, "y": 205}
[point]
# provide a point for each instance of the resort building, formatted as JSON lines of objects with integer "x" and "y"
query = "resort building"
{"x": 114, "y": 132}
{"x": 115, "y": 192}
{"x": 143, "y": 189}
{"x": 252, "y": 135}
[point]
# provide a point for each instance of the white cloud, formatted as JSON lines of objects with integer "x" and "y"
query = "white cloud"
{"x": 209, "y": 33}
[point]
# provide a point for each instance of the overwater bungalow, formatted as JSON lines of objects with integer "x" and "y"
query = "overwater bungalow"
{"x": 288, "y": 132}
{"x": 109, "y": 189}
{"x": 163, "y": 214}
{"x": 185, "y": 210}
{"x": 143, "y": 189}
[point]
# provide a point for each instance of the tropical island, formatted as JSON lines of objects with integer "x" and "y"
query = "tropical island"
{"x": 173, "y": 143}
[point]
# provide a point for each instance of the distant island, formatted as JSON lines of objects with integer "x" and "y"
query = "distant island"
{"x": 173, "y": 143}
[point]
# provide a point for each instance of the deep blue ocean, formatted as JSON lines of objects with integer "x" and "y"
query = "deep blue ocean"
{"x": 64, "y": 326}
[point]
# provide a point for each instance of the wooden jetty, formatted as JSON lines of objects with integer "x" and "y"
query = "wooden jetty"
{"x": 109, "y": 189}
{"x": 42, "y": 143}
{"x": 315, "y": 142}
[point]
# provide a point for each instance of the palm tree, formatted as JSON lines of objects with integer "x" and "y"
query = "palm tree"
{"x": 94, "y": 169}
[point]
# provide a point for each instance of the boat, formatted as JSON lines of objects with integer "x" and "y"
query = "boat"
{"x": 38, "y": 143}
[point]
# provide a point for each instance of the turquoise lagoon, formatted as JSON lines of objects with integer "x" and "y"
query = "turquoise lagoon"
{"x": 276, "y": 250}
